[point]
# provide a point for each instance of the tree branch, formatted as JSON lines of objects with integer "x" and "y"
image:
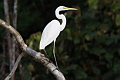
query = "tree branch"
{"x": 14, "y": 47}
{"x": 9, "y": 39}
{"x": 15, "y": 66}
{"x": 2, "y": 71}
{"x": 37, "y": 55}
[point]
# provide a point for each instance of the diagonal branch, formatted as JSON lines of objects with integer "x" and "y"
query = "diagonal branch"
{"x": 15, "y": 66}
{"x": 37, "y": 55}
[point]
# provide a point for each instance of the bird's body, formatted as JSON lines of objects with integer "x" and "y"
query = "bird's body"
{"x": 50, "y": 33}
{"x": 53, "y": 29}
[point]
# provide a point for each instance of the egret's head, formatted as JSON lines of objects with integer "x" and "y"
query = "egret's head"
{"x": 63, "y": 8}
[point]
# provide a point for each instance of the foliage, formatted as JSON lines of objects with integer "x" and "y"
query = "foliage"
{"x": 87, "y": 49}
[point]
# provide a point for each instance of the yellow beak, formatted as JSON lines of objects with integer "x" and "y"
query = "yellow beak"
{"x": 70, "y": 8}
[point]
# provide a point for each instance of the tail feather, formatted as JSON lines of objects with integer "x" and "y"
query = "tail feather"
{"x": 41, "y": 46}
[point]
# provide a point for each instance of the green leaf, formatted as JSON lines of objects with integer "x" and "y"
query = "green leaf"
{"x": 109, "y": 56}
{"x": 80, "y": 74}
{"x": 30, "y": 67}
{"x": 96, "y": 70}
{"x": 97, "y": 50}
{"x": 116, "y": 67}
{"x": 108, "y": 75}
{"x": 72, "y": 67}
{"x": 93, "y": 3}
{"x": 87, "y": 37}
{"x": 116, "y": 5}
{"x": 118, "y": 78}
{"x": 76, "y": 40}
{"x": 69, "y": 34}
{"x": 118, "y": 19}
{"x": 26, "y": 75}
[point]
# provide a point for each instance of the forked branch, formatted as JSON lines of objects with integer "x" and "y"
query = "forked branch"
{"x": 37, "y": 55}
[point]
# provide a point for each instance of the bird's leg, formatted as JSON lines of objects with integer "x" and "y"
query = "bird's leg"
{"x": 47, "y": 71}
{"x": 46, "y": 53}
{"x": 54, "y": 54}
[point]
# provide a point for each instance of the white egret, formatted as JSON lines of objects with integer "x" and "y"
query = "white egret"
{"x": 53, "y": 29}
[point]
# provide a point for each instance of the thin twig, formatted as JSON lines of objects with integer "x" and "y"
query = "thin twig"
{"x": 15, "y": 66}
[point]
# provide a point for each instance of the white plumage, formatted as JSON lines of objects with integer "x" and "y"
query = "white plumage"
{"x": 49, "y": 34}
{"x": 53, "y": 29}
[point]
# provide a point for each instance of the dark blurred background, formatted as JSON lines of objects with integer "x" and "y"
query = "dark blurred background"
{"x": 87, "y": 49}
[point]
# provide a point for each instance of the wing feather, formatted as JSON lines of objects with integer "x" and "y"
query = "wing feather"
{"x": 50, "y": 33}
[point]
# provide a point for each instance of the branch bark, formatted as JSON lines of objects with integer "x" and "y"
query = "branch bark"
{"x": 37, "y": 55}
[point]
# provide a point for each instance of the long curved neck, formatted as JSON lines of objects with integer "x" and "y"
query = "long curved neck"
{"x": 61, "y": 16}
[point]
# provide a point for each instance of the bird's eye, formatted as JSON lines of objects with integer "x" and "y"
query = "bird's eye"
{"x": 64, "y": 7}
